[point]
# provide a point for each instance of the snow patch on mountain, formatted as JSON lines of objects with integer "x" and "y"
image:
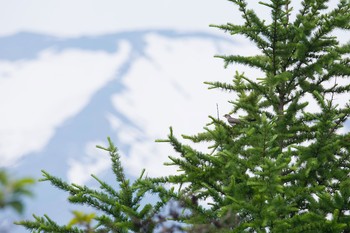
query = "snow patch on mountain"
{"x": 165, "y": 88}
{"x": 37, "y": 96}
{"x": 94, "y": 162}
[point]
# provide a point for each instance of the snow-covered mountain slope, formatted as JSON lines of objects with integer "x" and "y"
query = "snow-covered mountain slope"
{"x": 61, "y": 97}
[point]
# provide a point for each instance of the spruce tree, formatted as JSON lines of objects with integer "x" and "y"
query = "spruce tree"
{"x": 283, "y": 167}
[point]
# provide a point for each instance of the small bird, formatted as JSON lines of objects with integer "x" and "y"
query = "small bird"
{"x": 232, "y": 121}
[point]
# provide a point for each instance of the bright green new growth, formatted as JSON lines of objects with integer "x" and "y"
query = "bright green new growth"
{"x": 289, "y": 170}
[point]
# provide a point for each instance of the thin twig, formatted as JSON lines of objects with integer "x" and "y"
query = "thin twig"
{"x": 335, "y": 84}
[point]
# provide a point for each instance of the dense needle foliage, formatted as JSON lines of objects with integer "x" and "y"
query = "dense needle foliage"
{"x": 285, "y": 170}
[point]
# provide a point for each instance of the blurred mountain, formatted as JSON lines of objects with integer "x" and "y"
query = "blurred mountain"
{"x": 154, "y": 81}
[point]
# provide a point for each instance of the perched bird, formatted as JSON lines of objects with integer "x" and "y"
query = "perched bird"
{"x": 232, "y": 121}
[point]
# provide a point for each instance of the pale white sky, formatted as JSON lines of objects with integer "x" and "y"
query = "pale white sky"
{"x": 71, "y": 18}
{"x": 77, "y": 17}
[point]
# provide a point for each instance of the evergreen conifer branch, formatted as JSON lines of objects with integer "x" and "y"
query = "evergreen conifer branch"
{"x": 287, "y": 170}
{"x": 119, "y": 209}
{"x": 45, "y": 224}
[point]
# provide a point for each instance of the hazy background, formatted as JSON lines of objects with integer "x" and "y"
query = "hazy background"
{"x": 74, "y": 72}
